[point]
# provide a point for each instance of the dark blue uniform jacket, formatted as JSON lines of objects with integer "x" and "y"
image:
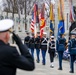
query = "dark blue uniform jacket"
{"x": 44, "y": 42}
{"x": 10, "y": 59}
{"x": 51, "y": 46}
{"x": 72, "y": 46}
{"x": 26, "y": 40}
{"x": 32, "y": 43}
{"x": 37, "y": 42}
{"x": 60, "y": 44}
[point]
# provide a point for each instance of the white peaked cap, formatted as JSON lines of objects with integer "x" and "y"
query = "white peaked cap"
{"x": 44, "y": 33}
{"x": 52, "y": 37}
{"x": 6, "y": 24}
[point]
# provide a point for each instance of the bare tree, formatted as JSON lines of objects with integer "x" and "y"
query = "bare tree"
{"x": 26, "y": 6}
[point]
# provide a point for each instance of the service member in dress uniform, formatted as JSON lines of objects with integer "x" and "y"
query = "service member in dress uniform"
{"x": 37, "y": 46}
{"x": 26, "y": 40}
{"x": 51, "y": 51}
{"x": 10, "y": 59}
{"x": 32, "y": 44}
{"x": 72, "y": 51}
{"x": 44, "y": 42}
{"x": 60, "y": 47}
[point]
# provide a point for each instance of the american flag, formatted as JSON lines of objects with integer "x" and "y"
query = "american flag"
{"x": 32, "y": 25}
{"x": 32, "y": 22}
{"x": 33, "y": 18}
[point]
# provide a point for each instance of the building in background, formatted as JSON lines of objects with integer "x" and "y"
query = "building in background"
{"x": 20, "y": 23}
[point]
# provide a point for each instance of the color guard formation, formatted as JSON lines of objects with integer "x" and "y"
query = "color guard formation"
{"x": 53, "y": 47}
{"x": 10, "y": 59}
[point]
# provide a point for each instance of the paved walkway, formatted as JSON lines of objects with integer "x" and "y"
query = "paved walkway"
{"x": 46, "y": 70}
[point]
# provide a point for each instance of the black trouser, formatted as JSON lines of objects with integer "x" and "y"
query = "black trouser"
{"x": 52, "y": 54}
{"x": 73, "y": 57}
{"x": 60, "y": 54}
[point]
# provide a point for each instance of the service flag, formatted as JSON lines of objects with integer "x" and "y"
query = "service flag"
{"x": 61, "y": 28}
{"x": 61, "y": 25}
{"x": 42, "y": 20}
{"x": 61, "y": 10}
{"x": 71, "y": 11}
{"x": 52, "y": 17}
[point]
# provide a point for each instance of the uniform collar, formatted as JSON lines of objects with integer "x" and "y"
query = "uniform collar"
{"x": 2, "y": 43}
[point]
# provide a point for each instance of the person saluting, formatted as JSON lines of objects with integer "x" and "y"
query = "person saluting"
{"x": 10, "y": 59}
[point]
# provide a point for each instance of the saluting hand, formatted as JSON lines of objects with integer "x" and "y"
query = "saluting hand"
{"x": 17, "y": 38}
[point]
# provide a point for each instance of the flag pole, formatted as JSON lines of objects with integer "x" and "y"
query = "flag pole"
{"x": 42, "y": 20}
{"x": 52, "y": 22}
{"x": 61, "y": 27}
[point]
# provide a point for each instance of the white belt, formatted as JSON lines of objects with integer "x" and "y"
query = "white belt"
{"x": 43, "y": 43}
{"x": 52, "y": 47}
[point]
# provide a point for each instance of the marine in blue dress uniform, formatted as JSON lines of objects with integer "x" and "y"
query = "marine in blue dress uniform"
{"x": 44, "y": 42}
{"x": 60, "y": 47}
{"x": 32, "y": 44}
{"x": 26, "y": 40}
{"x": 72, "y": 51}
{"x": 37, "y": 46}
{"x": 51, "y": 51}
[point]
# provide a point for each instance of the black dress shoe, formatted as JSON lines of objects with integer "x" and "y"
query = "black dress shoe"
{"x": 59, "y": 68}
{"x": 71, "y": 71}
{"x": 43, "y": 63}
{"x": 37, "y": 61}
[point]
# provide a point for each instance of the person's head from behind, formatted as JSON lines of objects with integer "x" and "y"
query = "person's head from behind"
{"x": 38, "y": 33}
{"x": 27, "y": 33}
{"x": 73, "y": 36}
{"x": 32, "y": 34}
{"x": 5, "y": 25}
{"x": 51, "y": 38}
{"x": 44, "y": 34}
{"x": 62, "y": 35}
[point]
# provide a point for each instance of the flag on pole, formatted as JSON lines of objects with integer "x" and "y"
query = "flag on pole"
{"x": 37, "y": 20}
{"x": 32, "y": 23}
{"x": 52, "y": 17}
{"x": 61, "y": 10}
{"x": 71, "y": 11}
{"x": 51, "y": 28}
{"x": 37, "y": 14}
{"x": 34, "y": 9}
{"x": 42, "y": 10}
{"x": 42, "y": 20}
{"x": 61, "y": 26}
{"x": 42, "y": 23}
{"x": 51, "y": 11}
